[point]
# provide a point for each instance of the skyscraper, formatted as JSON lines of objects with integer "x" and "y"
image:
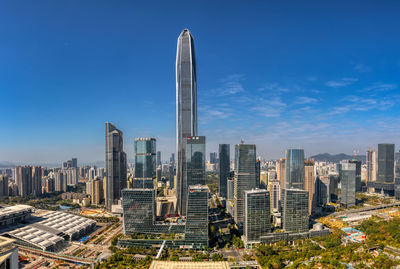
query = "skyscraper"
{"x": 116, "y": 164}
{"x": 309, "y": 183}
{"x": 213, "y": 157}
{"x": 294, "y": 174}
{"x": 3, "y": 185}
{"x": 257, "y": 215}
{"x": 23, "y": 178}
{"x": 371, "y": 165}
{"x": 275, "y": 194}
{"x": 224, "y": 168}
{"x": 145, "y": 162}
{"x": 196, "y": 232}
{"x": 158, "y": 158}
{"x": 195, "y": 166}
{"x": 186, "y": 105}
{"x": 358, "y": 174}
{"x": 36, "y": 180}
{"x": 348, "y": 182}
{"x": 295, "y": 210}
{"x": 74, "y": 162}
{"x": 280, "y": 172}
{"x": 385, "y": 163}
{"x": 245, "y": 176}
{"x": 139, "y": 208}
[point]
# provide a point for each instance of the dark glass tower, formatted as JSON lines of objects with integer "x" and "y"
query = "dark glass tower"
{"x": 385, "y": 163}
{"x": 224, "y": 168}
{"x": 245, "y": 177}
{"x": 295, "y": 210}
{"x": 348, "y": 181}
{"x": 257, "y": 215}
{"x": 358, "y": 174}
{"x": 145, "y": 162}
{"x": 115, "y": 165}
{"x": 186, "y": 106}
{"x": 294, "y": 174}
{"x": 196, "y": 232}
{"x": 195, "y": 166}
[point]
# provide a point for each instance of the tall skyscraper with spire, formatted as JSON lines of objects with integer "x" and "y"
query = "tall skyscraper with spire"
{"x": 186, "y": 107}
{"x": 115, "y": 165}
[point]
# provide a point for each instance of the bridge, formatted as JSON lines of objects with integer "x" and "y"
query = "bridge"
{"x": 58, "y": 256}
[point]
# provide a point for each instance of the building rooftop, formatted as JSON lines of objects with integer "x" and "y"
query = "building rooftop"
{"x": 5, "y": 211}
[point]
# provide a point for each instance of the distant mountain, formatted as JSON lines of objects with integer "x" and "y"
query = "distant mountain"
{"x": 326, "y": 157}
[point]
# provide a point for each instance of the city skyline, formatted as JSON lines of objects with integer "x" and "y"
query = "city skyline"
{"x": 320, "y": 94}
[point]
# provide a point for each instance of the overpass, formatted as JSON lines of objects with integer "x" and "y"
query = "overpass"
{"x": 57, "y": 256}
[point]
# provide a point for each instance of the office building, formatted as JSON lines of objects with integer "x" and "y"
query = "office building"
{"x": 295, "y": 210}
{"x": 74, "y": 162}
{"x": 172, "y": 171}
{"x": 358, "y": 174}
{"x": 196, "y": 231}
{"x": 309, "y": 184}
{"x": 323, "y": 192}
{"x": 397, "y": 175}
{"x": 274, "y": 189}
{"x": 263, "y": 179}
{"x": 294, "y": 169}
{"x": 371, "y": 165}
{"x": 158, "y": 161}
{"x": 172, "y": 159}
{"x": 230, "y": 189}
{"x": 224, "y": 168}
{"x": 257, "y": 215}
{"x": 186, "y": 106}
{"x": 258, "y": 172}
{"x": 116, "y": 165}
{"x": 139, "y": 210}
{"x": 3, "y": 185}
{"x": 348, "y": 182}
{"x": 280, "y": 171}
{"x": 385, "y": 163}
{"x": 245, "y": 177}
{"x": 195, "y": 167}
{"x": 213, "y": 157}
{"x": 333, "y": 187}
{"x": 145, "y": 163}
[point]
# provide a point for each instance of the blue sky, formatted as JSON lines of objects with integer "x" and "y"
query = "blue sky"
{"x": 319, "y": 75}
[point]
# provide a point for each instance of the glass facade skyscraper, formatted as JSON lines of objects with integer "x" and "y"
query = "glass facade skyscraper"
{"x": 245, "y": 177}
{"x": 295, "y": 210}
{"x": 196, "y": 232}
{"x": 116, "y": 165}
{"x": 358, "y": 174}
{"x": 224, "y": 168}
{"x": 139, "y": 209}
{"x": 385, "y": 163}
{"x": 348, "y": 182}
{"x": 195, "y": 165}
{"x": 145, "y": 162}
{"x": 257, "y": 215}
{"x": 186, "y": 107}
{"x": 294, "y": 174}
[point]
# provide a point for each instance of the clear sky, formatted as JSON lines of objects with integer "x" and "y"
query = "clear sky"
{"x": 318, "y": 75}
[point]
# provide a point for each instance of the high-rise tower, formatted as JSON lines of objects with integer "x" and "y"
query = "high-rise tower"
{"x": 294, "y": 174}
{"x": 115, "y": 165}
{"x": 186, "y": 105}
